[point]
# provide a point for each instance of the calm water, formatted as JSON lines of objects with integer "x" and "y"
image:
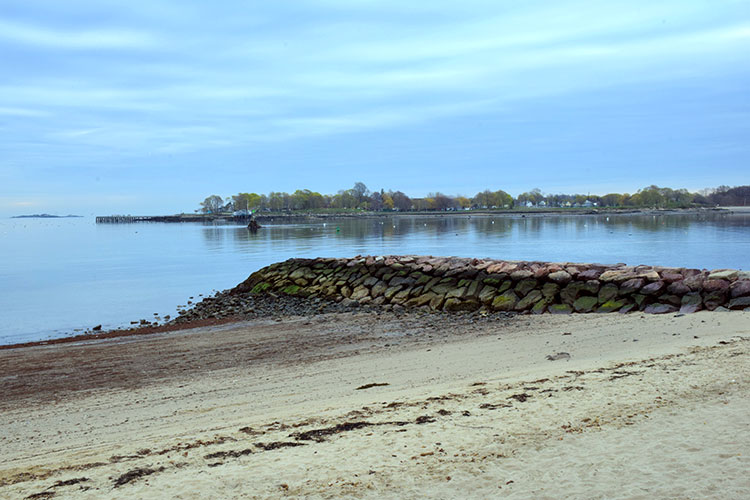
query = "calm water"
{"x": 59, "y": 275}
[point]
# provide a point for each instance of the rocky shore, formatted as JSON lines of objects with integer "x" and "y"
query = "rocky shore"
{"x": 484, "y": 286}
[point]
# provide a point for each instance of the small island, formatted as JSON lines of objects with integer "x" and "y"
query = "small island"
{"x": 45, "y": 216}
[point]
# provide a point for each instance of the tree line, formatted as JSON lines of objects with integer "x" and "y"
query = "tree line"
{"x": 359, "y": 197}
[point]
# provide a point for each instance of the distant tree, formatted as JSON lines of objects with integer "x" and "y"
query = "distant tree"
{"x": 463, "y": 201}
{"x": 441, "y": 201}
{"x": 387, "y": 201}
{"x": 401, "y": 201}
{"x": 212, "y": 205}
{"x": 360, "y": 192}
{"x": 376, "y": 201}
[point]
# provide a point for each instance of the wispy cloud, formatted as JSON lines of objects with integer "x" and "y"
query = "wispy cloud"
{"x": 88, "y": 39}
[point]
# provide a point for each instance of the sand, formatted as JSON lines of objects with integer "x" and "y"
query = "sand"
{"x": 637, "y": 407}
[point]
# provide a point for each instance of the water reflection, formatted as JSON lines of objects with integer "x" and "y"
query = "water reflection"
{"x": 679, "y": 240}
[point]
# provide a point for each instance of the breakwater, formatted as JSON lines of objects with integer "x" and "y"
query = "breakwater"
{"x": 459, "y": 284}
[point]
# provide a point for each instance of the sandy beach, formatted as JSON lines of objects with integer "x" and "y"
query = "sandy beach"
{"x": 369, "y": 405}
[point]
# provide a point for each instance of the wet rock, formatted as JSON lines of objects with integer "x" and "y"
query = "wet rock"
{"x": 525, "y": 286}
{"x": 631, "y": 286}
{"x": 560, "y": 277}
{"x": 487, "y": 295}
{"x": 559, "y": 309}
{"x": 712, "y": 300}
{"x": 723, "y": 274}
{"x": 740, "y": 288}
{"x": 652, "y": 288}
{"x": 670, "y": 278}
{"x": 585, "y": 304}
{"x": 660, "y": 308}
{"x": 457, "y": 305}
{"x": 611, "y": 306}
{"x": 529, "y": 300}
{"x": 690, "y": 303}
{"x": 505, "y": 302}
{"x": 715, "y": 286}
{"x": 678, "y": 288}
{"x": 739, "y": 303}
{"x": 550, "y": 290}
{"x": 608, "y": 292}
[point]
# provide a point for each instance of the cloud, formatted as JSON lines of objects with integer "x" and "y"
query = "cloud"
{"x": 87, "y": 39}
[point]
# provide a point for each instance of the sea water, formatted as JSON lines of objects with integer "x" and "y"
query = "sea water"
{"x": 60, "y": 276}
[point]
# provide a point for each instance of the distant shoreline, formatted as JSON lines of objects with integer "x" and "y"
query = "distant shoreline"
{"x": 268, "y": 217}
{"x": 45, "y": 216}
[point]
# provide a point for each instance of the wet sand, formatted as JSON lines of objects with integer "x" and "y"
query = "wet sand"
{"x": 361, "y": 405}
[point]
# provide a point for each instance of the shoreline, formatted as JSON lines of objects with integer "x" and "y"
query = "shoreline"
{"x": 269, "y": 217}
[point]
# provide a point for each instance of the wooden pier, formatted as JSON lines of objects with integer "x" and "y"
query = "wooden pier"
{"x": 130, "y": 219}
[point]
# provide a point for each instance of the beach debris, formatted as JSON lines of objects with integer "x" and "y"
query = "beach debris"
{"x": 277, "y": 444}
{"x": 520, "y": 397}
{"x": 134, "y": 474}
{"x": 374, "y": 384}
{"x": 558, "y": 356}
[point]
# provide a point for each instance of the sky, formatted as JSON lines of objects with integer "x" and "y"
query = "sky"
{"x": 144, "y": 107}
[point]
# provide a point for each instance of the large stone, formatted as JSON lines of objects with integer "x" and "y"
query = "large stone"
{"x": 712, "y": 300}
{"x": 660, "y": 309}
{"x": 590, "y": 274}
{"x": 346, "y": 292}
{"x": 570, "y": 293}
{"x": 608, "y": 292}
{"x": 670, "y": 299}
{"x": 723, "y": 274}
{"x": 473, "y": 289}
{"x": 678, "y": 288}
{"x": 525, "y": 286}
{"x": 442, "y": 288}
{"x": 436, "y": 303}
{"x": 521, "y": 274}
{"x": 585, "y": 304}
{"x": 360, "y": 293}
{"x": 670, "y": 278}
{"x": 739, "y": 288}
{"x": 401, "y": 297}
{"x": 715, "y": 286}
{"x": 653, "y": 288}
{"x": 691, "y": 302}
{"x": 487, "y": 294}
{"x": 456, "y": 293}
{"x": 370, "y": 281}
{"x": 455, "y": 305}
{"x": 505, "y": 302}
{"x": 611, "y": 306}
{"x": 391, "y": 291}
{"x": 529, "y": 300}
{"x": 559, "y": 309}
{"x": 540, "y": 307}
{"x": 505, "y": 285}
{"x": 550, "y": 290}
{"x": 739, "y": 303}
{"x": 695, "y": 282}
{"x": 631, "y": 286}
{"x": 560, "y": 277}
{"x": 591, "y": 287}
{"x": 378, "y": 290}
{"x": 420, "y": 300}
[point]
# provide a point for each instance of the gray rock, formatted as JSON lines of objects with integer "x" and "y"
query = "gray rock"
{"x": 660, "y": 309}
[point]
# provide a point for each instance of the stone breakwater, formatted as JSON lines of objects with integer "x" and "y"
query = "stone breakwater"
{"x": 458, "y": 284}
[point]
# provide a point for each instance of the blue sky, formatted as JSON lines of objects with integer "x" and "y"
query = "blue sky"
{"x": 148, "y": 107}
